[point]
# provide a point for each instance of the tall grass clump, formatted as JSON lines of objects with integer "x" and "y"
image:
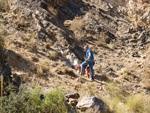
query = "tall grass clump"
{"x": 136, "y": 103}
{"x": 31, "y": 101}
{"x": 77, "y": 27}
{"x": 118, "y": 97}
{"x": 122, "y": 102}
{"x": 115, "y": 91}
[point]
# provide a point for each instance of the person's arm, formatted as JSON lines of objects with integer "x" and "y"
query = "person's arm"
{"x": 89, "y": 55}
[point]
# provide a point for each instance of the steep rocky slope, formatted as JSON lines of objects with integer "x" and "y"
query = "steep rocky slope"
{"x": 45, "y": 39}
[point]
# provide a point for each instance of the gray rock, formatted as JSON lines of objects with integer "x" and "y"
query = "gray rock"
{"x": 91, "y": 102}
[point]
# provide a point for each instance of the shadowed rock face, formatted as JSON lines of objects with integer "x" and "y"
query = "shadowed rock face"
{"x": 4, "y": 67}
{"x": 117, "y": 2}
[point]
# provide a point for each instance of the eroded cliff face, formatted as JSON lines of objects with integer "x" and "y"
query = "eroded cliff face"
{"x": 45, "y": 40}
{"x": 65, "y": 26}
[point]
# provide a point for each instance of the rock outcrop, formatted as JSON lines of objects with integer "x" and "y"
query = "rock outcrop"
{"x": 96, "y": 104}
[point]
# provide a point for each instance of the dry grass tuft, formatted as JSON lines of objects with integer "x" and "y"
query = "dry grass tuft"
{"x": 39, "y": 71}
{"x": 121, "y": 102}
{"x": 115, "y": 91}
{"x": 52, "y": 10}
{"x": 101, "y": 39}
{"x": 31, "y": 41}
{"x": 69, "y": 72}
{"x": 4, "y": 5}
{"x": 54, "y": 55}
{"x": 43, "y": 68}
{"x": 77, "y": 26}
{"x": 136, "y": 103}
{"x": 91, "y": 90}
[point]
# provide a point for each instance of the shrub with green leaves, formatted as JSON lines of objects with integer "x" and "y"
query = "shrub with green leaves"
{"x": 54, "y": 101}
{"x": 29, "y": 101}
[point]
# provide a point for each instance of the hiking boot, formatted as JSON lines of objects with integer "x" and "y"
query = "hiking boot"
{"x": 92, "y": 79}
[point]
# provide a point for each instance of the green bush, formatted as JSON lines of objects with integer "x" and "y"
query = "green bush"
{"x": 54, "y": 102}
{"x": 28, "y": 101}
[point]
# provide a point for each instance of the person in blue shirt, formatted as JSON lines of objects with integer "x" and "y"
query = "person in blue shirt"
{"x": 89, "y": 61}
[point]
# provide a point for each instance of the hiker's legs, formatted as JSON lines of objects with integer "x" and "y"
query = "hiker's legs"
{"x": 86, "y": 71}
{"x": 92, "y": 71}
{"x": 82, "y": 66}
{"x": 89, "y": 72}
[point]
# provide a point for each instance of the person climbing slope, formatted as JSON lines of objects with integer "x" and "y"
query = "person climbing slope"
{"x": 86, "y": 70}
{"x": 89, "y": 61}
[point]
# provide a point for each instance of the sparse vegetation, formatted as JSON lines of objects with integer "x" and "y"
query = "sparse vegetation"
{"x": 43, "y": 68}
{"x": 101, "y": 39}
{"x": 53, "y": 55}
{"x": 31, "y": 42}
{"x": 69, "y": 72}
{"x": 39, "y": 71}
{"x": 91, "y": 90}
{"x": 115, "y": 91}
{"x": 121, "y": 102}
{"x": 4, "y": 5}
{"x": 77, "y": 26}
{"x": 136, "y": 103}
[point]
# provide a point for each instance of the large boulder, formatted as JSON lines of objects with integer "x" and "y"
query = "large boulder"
{"x": 91, "y": 103}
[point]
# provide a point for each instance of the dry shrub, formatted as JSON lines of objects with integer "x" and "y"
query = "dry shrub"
{"x": 54, "y": 55}
{"x": 136, "y": 103}
{"x": 69, "y": 72}
{"x": 52, "y": 10}
{"x": 31, "y": 42}
{"x": 115, "y": 91}
{"x": 4, "y": 5}
{"x": 42, "y": 68}
{"x": 77, "y": 26}
{"x": 39, "y": 71}
{"x": 22, "y": 23}
{"x": 101, "y": 39}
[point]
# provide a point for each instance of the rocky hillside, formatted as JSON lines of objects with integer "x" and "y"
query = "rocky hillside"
{"x": 44, "y": 41}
